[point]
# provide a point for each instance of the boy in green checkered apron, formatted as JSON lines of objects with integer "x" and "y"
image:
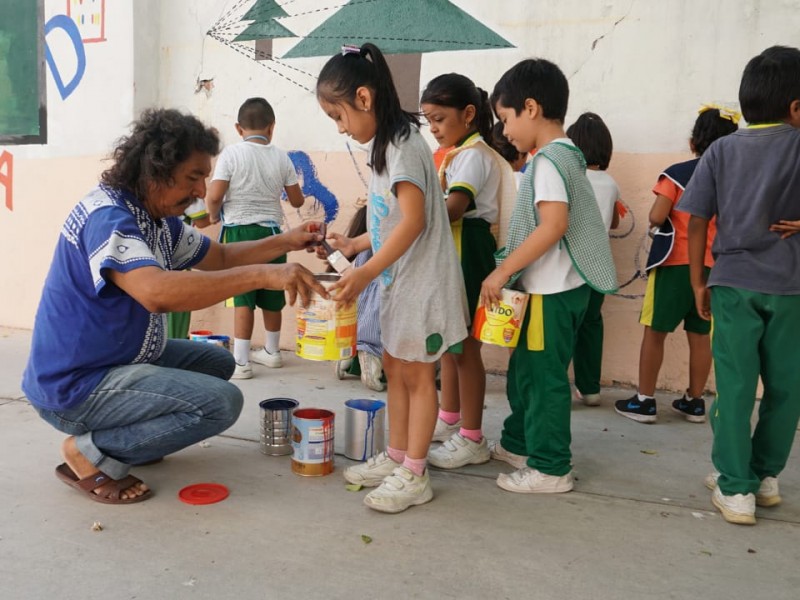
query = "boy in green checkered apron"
{"x": 557, "y": 251}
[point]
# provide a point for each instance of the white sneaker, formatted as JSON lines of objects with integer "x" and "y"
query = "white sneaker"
{"x": 768, "y": 493}
{"x": 341, "y": 367}
{"x": 531, "y": 481}
{"x": 399, "y": 491}
{"x": 272, "y": 360}
{"x": 444, "y": 431}
{"x": 372, "y": 472}
{"x": 371, "y": 371}
{"x": 497, "y": 452}
{"x": 459, "y": 451}
{"x": 588, "y": 399}
{"x": 739, "y": 508}
{"x": 244, "y": 371}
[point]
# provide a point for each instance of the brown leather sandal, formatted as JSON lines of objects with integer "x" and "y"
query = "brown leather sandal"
{"x": 112, "y": 488}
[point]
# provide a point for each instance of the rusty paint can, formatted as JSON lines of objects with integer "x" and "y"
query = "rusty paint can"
{"x": 325, "y": 332}
{"x": 312, "y": 442}
{"x": 501, "y": 325}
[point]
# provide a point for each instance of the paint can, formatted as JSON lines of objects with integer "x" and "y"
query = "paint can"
{"x": 312, "y": 441}
{"x": 220, "y": 340}
{"x": 276, "y": 425}
{"x": 325, "y": 332}
{"x": 364, "y": 428}
{"x": 501, "y": 325}
{"x": 201, "y": 335}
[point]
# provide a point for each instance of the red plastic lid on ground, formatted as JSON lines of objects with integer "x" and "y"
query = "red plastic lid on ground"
{"x": 203, "y": 493}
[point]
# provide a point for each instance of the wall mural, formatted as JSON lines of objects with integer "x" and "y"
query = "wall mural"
{"x": 7, "y": 178}
{"x": 394, "y": 26}
{"x": 90, "y": 19}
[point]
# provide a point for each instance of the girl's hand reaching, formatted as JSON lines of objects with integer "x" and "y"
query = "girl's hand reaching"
{"x": 352, "y": 283}
{"x": 492, "y": 288}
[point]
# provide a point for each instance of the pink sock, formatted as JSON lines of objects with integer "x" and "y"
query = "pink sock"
{"x": 415, "y": 465}
{"x": 451, "y": 418}
{"x": 476, "y": 435}
{"x": 396, "y": 455}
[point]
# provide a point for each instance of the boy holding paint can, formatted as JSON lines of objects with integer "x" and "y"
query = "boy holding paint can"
{"x": 245, "y": 194}
{"x": 557, "y": 251}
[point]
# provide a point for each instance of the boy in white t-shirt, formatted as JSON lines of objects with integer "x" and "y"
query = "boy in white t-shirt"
{"x": 557, "y": 250}
{"x": 590, "y": 134}
{"x": 245, "y": 194}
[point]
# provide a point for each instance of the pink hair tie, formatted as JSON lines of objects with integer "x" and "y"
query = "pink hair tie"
{"x": 350, "y": 49}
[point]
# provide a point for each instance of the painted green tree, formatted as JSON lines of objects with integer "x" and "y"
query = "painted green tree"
{"x": 407, "y": 27}
{"x": 264, "y": 28}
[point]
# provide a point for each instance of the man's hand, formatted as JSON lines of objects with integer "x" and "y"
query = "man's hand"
{"x": 296, "y": 280}
{"x": 303, "y": 236}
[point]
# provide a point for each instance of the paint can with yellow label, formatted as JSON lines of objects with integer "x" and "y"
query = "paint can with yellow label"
{"x": 325, "y": 332}
{"x": 501, "y": 325}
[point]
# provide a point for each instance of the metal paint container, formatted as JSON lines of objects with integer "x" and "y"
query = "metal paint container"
{"x": 364, "y": 428}
{"x": 220, "y": 340}
{"x": 312, "y": 441}
{"x": 276, "y": 425}
{"x": 501, "y": 325}
{"x": 325, "y": 332}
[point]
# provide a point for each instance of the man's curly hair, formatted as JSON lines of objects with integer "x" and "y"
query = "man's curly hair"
{"x": 161, "y": 139}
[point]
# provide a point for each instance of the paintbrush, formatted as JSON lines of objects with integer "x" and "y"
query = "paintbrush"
{"x": 335, "y": 258}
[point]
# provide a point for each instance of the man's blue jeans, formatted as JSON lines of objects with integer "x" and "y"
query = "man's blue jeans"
{"x": 139, "y": 413}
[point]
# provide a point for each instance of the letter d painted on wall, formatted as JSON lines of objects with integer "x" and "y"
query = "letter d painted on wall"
{"x": 71, "y": 29}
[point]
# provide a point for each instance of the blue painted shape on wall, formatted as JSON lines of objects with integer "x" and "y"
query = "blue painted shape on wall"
{"x": 312, "y": 186}
{"x": 69, "y": 26}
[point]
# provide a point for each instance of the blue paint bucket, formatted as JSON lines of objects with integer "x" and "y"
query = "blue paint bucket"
{"x": 364, "y": 428}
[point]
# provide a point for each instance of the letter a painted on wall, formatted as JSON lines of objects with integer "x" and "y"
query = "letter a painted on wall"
{"x": 71, "y": 29}
{"x": 7, "y": 177}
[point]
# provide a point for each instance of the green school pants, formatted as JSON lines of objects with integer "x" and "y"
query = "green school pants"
{"x": 588, "y": 359}
{"x": 538, "y": 384}
{"x": 753, "y": 334}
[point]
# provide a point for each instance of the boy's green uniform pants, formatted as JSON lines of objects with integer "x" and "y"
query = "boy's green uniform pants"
{"x": 753, "y": 334}
{"x": 538, "y": 384}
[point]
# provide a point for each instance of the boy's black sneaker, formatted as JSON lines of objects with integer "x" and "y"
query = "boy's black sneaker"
{"x": 694, "y": 409}
{"x": 643, "y": 411}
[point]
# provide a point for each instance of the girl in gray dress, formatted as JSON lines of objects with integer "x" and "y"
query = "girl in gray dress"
{"x": 423, "y": 304}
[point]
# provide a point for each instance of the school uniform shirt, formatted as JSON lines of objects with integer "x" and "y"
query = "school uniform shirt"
{"x": 473, "y": 173}
{"x": 671, "y": 184}
{"x": 750, "y": 180}
{"x": 257, "y": 175}
{"x": 80, "y": 307}
{"x": 422, "y": 293}
{"x": 606, "y": 192}
{"x": 553, "y": 272}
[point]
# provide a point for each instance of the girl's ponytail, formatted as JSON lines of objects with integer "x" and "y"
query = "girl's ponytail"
{"x": 484, "y": 117}
{"x": 366, "y": 67}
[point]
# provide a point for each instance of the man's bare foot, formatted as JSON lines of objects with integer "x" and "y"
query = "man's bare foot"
{"x": 83, "y": 468}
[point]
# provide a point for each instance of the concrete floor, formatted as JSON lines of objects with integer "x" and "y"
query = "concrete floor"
{"x": 639, "y": 524}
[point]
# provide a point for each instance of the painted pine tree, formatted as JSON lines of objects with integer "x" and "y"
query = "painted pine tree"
{"x": 404, "y": 28}
{"x": 264, "y": 28}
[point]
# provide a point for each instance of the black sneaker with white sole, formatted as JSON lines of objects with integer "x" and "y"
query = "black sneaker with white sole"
{"x": 694, "y": 409}
{"x": 643, "y": 411}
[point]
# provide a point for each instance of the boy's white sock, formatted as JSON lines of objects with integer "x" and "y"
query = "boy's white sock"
{"x": 241, "y": 351}
{"x": 642, "y": 397}
{"x": 273, "y": 340}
